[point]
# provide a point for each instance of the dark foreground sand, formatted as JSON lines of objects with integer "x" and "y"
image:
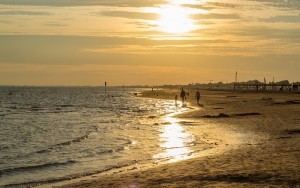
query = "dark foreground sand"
{"x": 256, "y": 138}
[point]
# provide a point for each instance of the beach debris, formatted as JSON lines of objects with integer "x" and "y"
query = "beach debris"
{"x": 187, "y": 123}
{"x": 293, "y": 102}
{"x": 266, "y": 98}
{"x": 284, "y": 137}
{"x": 247, "y": 114}
{"x": 292, "y": 131}
{"x": 221, "y": 115}
{"x": 287, "y": 102}
{"x": 231, "y": 96}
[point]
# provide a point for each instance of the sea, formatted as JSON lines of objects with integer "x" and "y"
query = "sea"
{"x": 50, "y": 134}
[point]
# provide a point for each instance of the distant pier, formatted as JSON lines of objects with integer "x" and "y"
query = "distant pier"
{"x": 266, "y": 87}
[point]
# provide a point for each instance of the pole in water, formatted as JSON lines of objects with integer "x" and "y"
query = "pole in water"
{"x": 105, "y": 88}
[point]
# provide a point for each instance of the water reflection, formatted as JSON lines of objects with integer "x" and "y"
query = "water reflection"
{"x": 175, "y": 141}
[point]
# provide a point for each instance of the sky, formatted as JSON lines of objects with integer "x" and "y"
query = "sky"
{"x": 147, "y": 42}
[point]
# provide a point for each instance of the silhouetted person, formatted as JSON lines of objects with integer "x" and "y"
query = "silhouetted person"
{"x": 295, "y": 87}
{"x": 176, "y": 98}
{"x": 182, "y": 96}
{"x": 198, "y": 96}
{"x": 281, "y": 88}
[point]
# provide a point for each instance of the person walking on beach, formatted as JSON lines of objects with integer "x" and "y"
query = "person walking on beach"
{"x": 182, "y": 96}
{"x": 198, "y": 96}
{"x": 176, "y": 98}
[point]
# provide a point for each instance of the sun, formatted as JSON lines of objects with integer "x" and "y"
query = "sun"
{"x": 174, "y": 19}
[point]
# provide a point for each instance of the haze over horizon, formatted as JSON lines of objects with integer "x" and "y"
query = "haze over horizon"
{"x": 149, "y": 42}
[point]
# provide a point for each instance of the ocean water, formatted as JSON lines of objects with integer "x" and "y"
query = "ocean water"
{"x": 49, "y": 134}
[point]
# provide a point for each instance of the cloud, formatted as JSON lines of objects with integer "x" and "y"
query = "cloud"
{"x": 223, "y": 4}
{"x": 198, "y": 6}
{"x": 283, "y": 4}
{"x": 76, "y": 49}
{"x": 268, "y": 33}
{"x": 130, "y": 15}
{"x": 61, "y": 3}
{"x": 285, "y": 19}
{"x": 27, "y": 13}
{"x": 216, "y": 16}
{"x": 255, "y": 4}
{"x": 55, "y": 24}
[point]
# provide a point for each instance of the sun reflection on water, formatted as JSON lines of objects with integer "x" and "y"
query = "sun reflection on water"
{"x": 174, "y": 140}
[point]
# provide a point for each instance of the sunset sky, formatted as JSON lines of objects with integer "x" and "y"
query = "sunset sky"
{"x": 130, "y": 42}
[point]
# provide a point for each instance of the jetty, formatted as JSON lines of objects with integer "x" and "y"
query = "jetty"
{"x": 266, "y": 87}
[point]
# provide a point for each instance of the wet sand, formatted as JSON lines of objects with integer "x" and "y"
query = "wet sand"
{"x": 254, "y": 137}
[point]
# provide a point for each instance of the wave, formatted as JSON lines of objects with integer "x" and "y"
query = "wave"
{"x": 65, "y": 105}
{"x": 124, "y": 146}
{"x": 79, "y": 139}
{"x": 34, "y": 167}
{"x": 108, "y": 151}
{"x": 103, "y": 122}
{"x": 3, "y": 148}
{"x": 70, "y": 177}
{"x": 12, "y": 107}
{"x": 36, "y": 108}
{"x": 140, "y": 110}
{"x": 45, "y": 109}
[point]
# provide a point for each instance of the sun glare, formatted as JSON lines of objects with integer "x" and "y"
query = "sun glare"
{"x": 174, "y": 19}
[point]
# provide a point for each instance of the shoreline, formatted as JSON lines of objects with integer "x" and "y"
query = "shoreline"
{"x": 242, "y": 163}
{"x": 214, "y": 149}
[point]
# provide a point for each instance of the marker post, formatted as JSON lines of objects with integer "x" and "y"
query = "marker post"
{"x": 105, "y": 88}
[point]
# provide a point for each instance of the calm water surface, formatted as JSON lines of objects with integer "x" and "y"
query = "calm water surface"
{"x": 49, "y": 134}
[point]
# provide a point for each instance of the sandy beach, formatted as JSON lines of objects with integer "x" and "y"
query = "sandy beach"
{"x": 87, "y": 93}
{"x": 254, "y": 139}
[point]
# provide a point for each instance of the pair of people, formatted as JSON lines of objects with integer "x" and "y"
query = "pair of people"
{"x": 183, "y": 96}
